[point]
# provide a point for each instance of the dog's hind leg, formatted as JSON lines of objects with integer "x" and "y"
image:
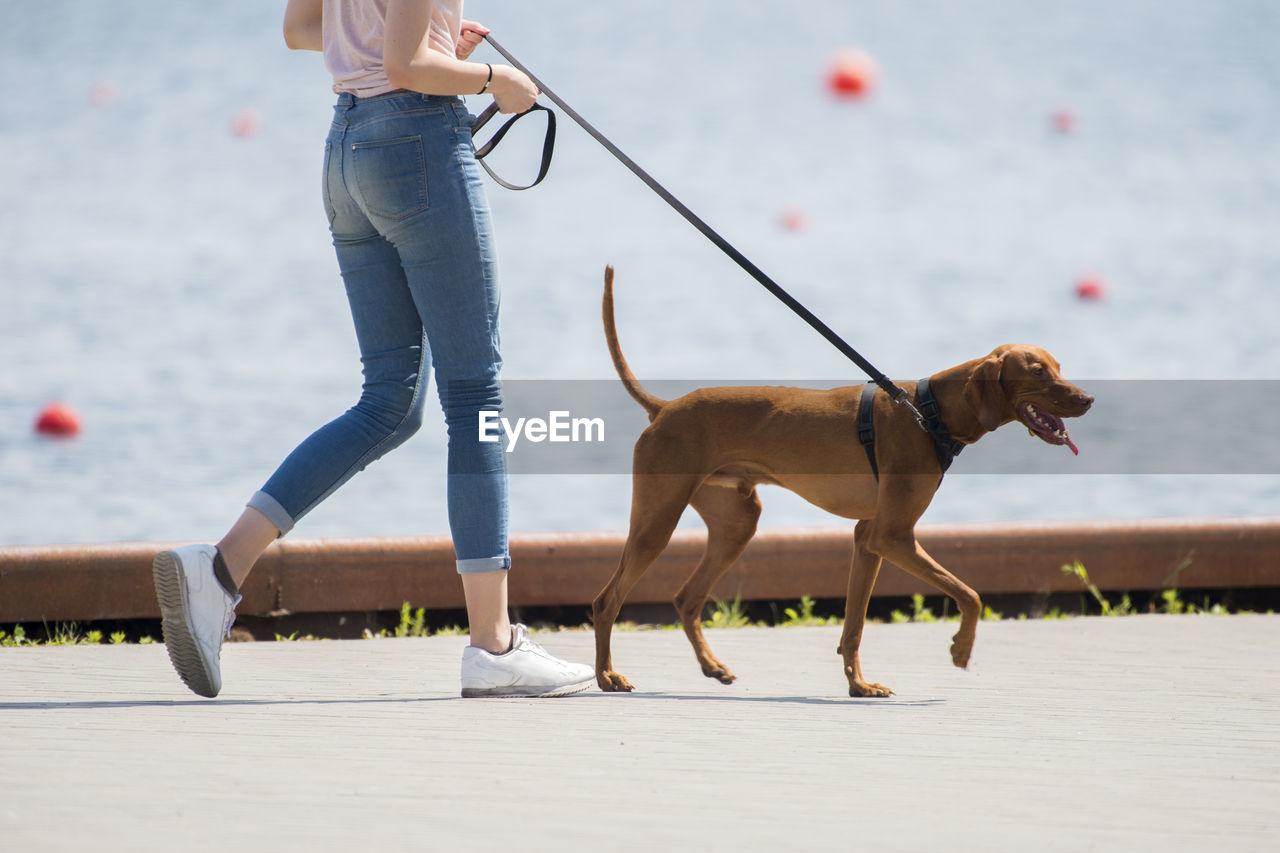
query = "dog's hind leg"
{"x": 731, "y": 514}
{"x": 657, "y": 502}
{"x": 862, "y": 578}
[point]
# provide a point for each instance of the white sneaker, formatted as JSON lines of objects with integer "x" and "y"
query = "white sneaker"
{"x": 526, "y": 670}
{"x": 197, "y": 614}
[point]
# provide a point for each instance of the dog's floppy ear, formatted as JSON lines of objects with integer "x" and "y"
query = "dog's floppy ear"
{"x": 984, "y": 393}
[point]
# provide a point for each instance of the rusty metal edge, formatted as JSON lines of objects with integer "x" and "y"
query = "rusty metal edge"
{"x": 113, "y": 581}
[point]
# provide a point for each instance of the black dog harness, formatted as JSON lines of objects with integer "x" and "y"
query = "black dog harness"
{"x": 944, "y": 446}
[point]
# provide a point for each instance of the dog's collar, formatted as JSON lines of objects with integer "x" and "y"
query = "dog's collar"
{"x": 945, "y": 446}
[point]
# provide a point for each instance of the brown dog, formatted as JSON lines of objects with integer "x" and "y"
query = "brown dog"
{"x": 713, "y": 446}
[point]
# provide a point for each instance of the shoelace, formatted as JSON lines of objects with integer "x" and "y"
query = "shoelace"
{"x": 531, "y": 646}
{"x": 231, "y": 616}
{"x": 520, "y": 637}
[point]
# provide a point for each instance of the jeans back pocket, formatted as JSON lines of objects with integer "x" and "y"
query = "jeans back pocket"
{"x": 391, "y": 176}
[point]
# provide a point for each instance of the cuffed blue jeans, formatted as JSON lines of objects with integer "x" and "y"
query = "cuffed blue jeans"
{"x": 412, "y": 231}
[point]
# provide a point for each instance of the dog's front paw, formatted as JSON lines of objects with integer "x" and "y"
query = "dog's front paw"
{"x": 612, "y": 682}
{"x": 866, "y": 688}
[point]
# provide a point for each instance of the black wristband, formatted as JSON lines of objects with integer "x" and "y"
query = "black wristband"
{"x": 487, "y": 82}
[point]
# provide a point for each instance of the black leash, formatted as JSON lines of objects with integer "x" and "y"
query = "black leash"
{"x": 896, "y": 393}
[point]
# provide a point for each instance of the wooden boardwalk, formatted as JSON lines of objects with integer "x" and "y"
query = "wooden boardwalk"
{"x": 1138, "y": 733}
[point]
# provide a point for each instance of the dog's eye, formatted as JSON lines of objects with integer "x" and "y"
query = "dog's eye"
{"x": 1037, "y": 370}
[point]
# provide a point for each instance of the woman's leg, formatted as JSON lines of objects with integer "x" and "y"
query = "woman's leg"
{"x": 487, "y": 616}
{"x": 395, "y": 361}
{"x": 245, "y": 542}
{"x": 448, "y": 258}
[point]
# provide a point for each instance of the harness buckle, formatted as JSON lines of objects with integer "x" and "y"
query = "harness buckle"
{"x": 903, "y": 400}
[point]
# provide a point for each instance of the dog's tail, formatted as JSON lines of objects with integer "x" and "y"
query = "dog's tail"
{"x": 651, "y": 404}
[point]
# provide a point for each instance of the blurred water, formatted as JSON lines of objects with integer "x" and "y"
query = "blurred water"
{"x": 174, "y": 281}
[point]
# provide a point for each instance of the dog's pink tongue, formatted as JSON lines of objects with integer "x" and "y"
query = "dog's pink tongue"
{"x": 1067, "y": 436}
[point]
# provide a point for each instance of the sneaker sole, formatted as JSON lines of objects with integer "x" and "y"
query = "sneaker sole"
{"x": 184, "y": 654}
{"x": 525, "y": 692}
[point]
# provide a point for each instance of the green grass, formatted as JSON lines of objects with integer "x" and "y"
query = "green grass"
{"x": 634, "y": 626}
{"x": 65, "y": 634}
{"x": 723, "y": 614}
{"x": 62, "y": 634}
{"x": 804, "y": 616}
{"x": 18, "y": 638}
{"x": 295, "y": 638}
{"x": 1125, "y": 608}
{"x": 728, "y": 614}
{"x": 919, "y": 613}
{"x": 1171, "y": 601}
{"x": 413, "y": 623}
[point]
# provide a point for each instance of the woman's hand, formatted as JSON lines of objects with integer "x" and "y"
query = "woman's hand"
{"x": 472, "y": 35}
{"x": 512, "y": 89}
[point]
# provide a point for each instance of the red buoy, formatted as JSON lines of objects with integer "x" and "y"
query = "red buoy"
{"x": 103, "y": 94}
{"x": 1064, "y": 121}
{"x": 1090, "y": 288}
{"x": 246, "y": 122}
{"x": 58, "y": 419}
{"x": 794, "y": 219}
{"x": 853, "y": 73}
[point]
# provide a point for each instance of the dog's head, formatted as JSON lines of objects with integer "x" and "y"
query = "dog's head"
{"x": 1024, "y": 383}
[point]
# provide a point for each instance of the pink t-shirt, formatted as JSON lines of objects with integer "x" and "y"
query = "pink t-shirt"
{"x": 354, "y": 31}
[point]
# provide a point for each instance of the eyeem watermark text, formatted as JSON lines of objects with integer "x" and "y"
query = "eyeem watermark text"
{"x": 559, "y": 426}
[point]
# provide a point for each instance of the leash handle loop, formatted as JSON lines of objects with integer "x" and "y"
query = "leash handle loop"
{"x": 548, "y": 142}
{"x": 724, "y": 245}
